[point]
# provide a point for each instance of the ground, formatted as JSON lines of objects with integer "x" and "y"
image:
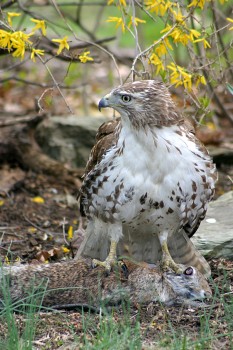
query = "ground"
{"x": 35, "y": 220}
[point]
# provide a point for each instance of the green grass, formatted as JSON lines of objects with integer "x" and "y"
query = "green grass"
{"x": 121, "y": 328}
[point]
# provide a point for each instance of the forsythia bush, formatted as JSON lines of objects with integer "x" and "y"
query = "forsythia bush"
{"x": 185, "y": 26}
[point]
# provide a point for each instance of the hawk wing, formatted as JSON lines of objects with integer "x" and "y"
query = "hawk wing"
{"x": 106, "y": 138}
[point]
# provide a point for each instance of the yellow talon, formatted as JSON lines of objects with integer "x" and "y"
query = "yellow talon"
{"x": 167, "y": 261}
{"x": 111, "y": 259}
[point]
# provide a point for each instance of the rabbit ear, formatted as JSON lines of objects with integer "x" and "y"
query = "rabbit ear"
{"x": 189, "y": 271}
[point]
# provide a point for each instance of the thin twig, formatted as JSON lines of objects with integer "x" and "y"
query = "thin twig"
{"x": 43, "y": 85}
{"x": 88, "y": 42}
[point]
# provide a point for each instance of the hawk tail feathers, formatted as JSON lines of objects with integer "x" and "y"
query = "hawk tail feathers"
{"x": 184, "y": 252}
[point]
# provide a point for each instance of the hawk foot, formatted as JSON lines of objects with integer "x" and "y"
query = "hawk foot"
{"x": 111, "y": 259}
{"x": 107, "y": 264}
{"x": 169, "y": 264}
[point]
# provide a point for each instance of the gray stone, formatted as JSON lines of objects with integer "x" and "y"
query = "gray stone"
{"x": 68, "y": 139}
{"x": 214, "y": 238}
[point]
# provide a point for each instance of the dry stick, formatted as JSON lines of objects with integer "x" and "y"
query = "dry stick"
{"x": 41, "y": 109}
{"x": 29, "y": 82}
{"x": 73, "y": 4}
{"x": 88, "y": 42}
{"x": 79, "y": 22}
{"x": 150, "y": 48}
{"x": 40, "y": 228}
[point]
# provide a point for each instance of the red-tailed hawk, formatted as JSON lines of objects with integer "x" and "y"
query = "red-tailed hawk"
{"x": 148, "y": 182}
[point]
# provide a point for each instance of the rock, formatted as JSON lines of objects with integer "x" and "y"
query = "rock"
{"x": 221, "y": 154}
{"x": 68, "y": 139}
{"x": 214, "y": 238}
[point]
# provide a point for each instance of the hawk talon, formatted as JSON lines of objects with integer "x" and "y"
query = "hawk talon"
{"x": 107, "y": 264}
{"x": 169, "y": 263}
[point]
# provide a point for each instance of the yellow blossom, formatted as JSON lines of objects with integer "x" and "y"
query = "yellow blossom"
{"x": 5, "y": 40}
{"x": 180, "y": 77}
{"x": 194, "y": 34}
{"x": 179, "y": 36}
{"x": 230, "y": 20}
{"x": 6, "y": 260}
{"x": 1, "y": 202}
{"x": 36, "y": 52}
{"x": 135, "y": 21}
{"x": 17, "y": 36}
{"x": 178, "y": 16}
{"x": 119, "y": 22}
{"x": 121, "y": 2}
{"x": 10, "y": 15}
{"x": 156, "y": 61}
{"x": 32, "y": 230}
{"x": 38, "y": 200}
{"x": 166, "y": 29}
{"x": 85, "y": 57}
{"x": 200, "y": 79}
{"x": 161, "y": 49}
{"x": 63, "y": 44}
{"x": 19, "y": 47}
{"x": 70, "y": 233}
{"x": 160, "y": 7}
{"x": 197, "y": 3}
{"x": 65, "y": 250}
{"x": 40, "y": 24}
{"x": 205, "y": 42}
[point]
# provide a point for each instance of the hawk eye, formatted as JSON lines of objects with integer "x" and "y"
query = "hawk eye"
{"x": 126, "y": 98}
{"x": 189, "y": 271}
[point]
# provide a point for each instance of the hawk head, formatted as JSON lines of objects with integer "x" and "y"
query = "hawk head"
{"x": 142, "y": 103}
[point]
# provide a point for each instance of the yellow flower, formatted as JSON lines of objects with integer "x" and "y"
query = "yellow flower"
{"x": 17, "y": 36}
{"x": 85, "y": 57}
{"x": 156, "y": 61}
{"x": 180, "y": 77}
{"x": 6, "y": 260}
{"x": 19, "y": 47}
{"x": 230, "y": 20}
{"x": 70, "y": 233}
{"x": 10, "y": 15}
{"x": 194, "y": 34}
{"x": 65, "y": 250}
{"x": 166, "y": 29}
{"x": 1, "y": 202}
{"x": 135, "y": 21}
{"x": 162, "y": 48}
{"x": 63, "y": 44}
{"x": 40, "y": 24}
{"x": 121, "y": 2}
{"x": 178, "y": 16}
{"x": 38, "y": 200}
{"x": 179, "y": 36}
{"x": 205, "y": 42}
{"x": 197, "y": 3}
{"x": 200, "y": 79}
{"x": 5, "y": 40}
{"x": 36, "y": 52}
{"x": 119, "y": 22}
{"x": 32, "y": 230}
{"x": 160, "y": 7}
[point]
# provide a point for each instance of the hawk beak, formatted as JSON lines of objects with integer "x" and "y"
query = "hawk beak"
{"x": 103, "y": 103}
